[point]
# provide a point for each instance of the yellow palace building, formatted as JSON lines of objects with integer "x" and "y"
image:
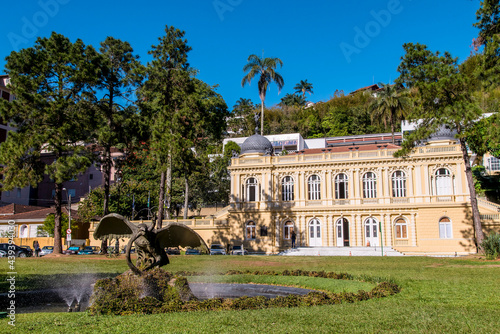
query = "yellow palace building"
{"x": 352, "y": 192}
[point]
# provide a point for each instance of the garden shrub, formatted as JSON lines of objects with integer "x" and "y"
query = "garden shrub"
{"x": 491, "y": 246}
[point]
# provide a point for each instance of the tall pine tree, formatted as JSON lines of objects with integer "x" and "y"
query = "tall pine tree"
{"x": 50, "y": 81}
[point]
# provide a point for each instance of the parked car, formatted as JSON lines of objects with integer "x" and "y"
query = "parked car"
{"x": 89, "y": 250}
{"x": 28, "y": 248}
{"x": 17, "y": 250}
{"x": 238, "y": 250}
{"x": 132, "y": 250}
{"x": 46, "y": 250}
{"x": 193, "y": 251}
{"x": 173, "y": 251}
{"x": 73, "y": 250}
{"x": 217, "y": 249}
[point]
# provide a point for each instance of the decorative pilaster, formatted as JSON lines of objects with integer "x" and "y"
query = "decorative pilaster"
{"x": 413, "y": 230}
{"x": 389, "y": 228}
{"x": 277, "y": 229}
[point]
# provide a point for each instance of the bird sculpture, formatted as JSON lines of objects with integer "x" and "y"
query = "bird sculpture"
{"x": 150, "y": 243}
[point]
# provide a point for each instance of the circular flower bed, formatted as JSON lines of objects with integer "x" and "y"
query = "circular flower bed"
{"x": 160, "y": 292}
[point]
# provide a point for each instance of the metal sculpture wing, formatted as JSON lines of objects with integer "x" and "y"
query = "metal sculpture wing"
{"x": 177, "y": 234}
{"x": 114, "y": 226}
{"x": 150, "y": 243}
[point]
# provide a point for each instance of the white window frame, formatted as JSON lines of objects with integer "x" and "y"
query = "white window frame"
{"x": 494, "y": 164}
{"x": 445, "y": 228}
{"x": 398, "y": 224}
{"x": 287, "y": 189}
{"x": 399, "y": 184}
{"x": 314, "y": 187}
{"x": 369, "y": 185}
{"x": 288, "y": 227}
{"x": 250, "y": 230}
{"x": 252, "y": 186}
{"x": 341, "y": 180}
{"x": 443, "y": 182}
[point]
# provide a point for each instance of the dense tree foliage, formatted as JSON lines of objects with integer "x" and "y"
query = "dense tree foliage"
{"x": 51, "y": 82}
{"x": 445, "y": 98}
{"x": 390, "y": 106}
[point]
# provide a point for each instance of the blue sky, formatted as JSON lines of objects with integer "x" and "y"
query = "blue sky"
{"x": 333, "y": 44}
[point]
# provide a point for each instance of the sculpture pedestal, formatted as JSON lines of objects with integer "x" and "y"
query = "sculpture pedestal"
{"x": 151, "y": 292}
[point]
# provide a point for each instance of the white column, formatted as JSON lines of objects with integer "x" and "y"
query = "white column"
{"x": 410, "y": 192}
{"x": 384, "y": 186}
{"x": 277, "y": 233}
{"x": 300, "y": 231}
{"x": 389, "y": 228}
{"x": 413, "y": 230}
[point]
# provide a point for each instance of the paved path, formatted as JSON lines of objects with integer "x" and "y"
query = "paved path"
{"x": 341, "y": 251}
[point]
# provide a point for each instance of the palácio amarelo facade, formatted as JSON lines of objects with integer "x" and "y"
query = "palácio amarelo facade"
{"x": 354, "y": 194}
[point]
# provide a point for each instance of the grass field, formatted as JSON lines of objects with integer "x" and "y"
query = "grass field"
{"x": 439, "y": 295}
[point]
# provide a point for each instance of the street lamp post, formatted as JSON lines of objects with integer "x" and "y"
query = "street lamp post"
{"x": 68, "y": 236}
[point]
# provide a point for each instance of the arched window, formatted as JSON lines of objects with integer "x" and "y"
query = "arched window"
{"x": 252, "y": 186}
{"x": 401, "y": 229}
{"x": 250, "y": 231}
{"x": 287, "y": 189}
{"x": 287, "y": 230}
{"x": 341, "y": 185}
{"x": 443, "y": 182}
{"x": 369, "y": 185}
{"x": 314, "y": 184}
{"x": 445, "y": 228}
{"x": 398, "y": 184}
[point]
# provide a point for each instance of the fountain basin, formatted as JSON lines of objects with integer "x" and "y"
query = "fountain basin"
{"x": 50, "y": 300}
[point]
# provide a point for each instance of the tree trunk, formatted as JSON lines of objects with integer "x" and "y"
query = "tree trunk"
{"x": 169, "y": 187}
{"x": 262, "y": 117}
{"x": 392, "y": 126}
{"x": 186, "y": 197}
{"x": 107, "y": 177}
{"x": 57, "y": 219}
{"x": 476, "y": 219}
{"x": 159, "y": 220}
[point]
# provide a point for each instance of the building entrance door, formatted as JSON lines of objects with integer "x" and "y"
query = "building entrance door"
{"x": 342, "y": 232}
{"x": 315, "y": 233}
{"x": 371, "y": 232}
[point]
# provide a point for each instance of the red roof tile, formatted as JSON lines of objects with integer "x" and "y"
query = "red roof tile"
{"x": 11, "y": 209}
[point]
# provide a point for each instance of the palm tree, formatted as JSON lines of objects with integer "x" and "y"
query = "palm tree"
{"x": 265, "y": 67}
{"x": 391, "y": 105}
{"x": 302, "y": 87}
{"x": 293, "y": 100}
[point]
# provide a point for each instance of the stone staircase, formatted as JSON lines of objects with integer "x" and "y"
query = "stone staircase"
{"x": 341, "y": 251}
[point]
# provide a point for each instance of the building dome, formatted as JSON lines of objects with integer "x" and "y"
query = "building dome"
{"x": 256, "y": 144}
{"x": 443, "y": 133}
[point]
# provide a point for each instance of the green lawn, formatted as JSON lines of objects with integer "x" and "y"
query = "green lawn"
{"x": 439, "y": 295}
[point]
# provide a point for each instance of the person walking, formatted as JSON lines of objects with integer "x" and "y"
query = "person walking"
{"x": 36, "y": 247}
{"x": 294, "y": 236}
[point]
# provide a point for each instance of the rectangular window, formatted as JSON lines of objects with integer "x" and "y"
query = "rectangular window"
{"x": 494, "y": 164}
{"x": 401, "y": 232}
{"x": 445, "y": 231}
